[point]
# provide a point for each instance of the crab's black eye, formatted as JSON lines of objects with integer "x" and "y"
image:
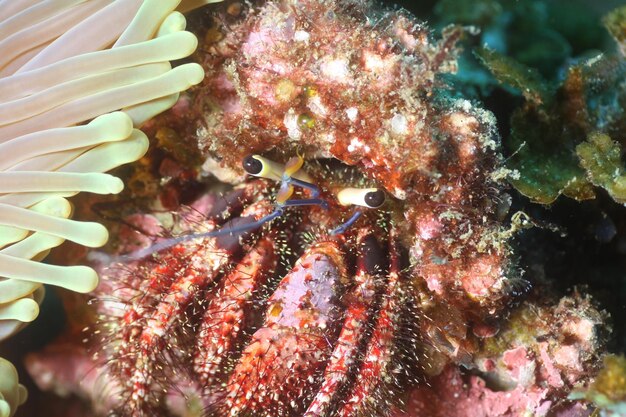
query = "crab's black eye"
{"x": 374, "y": 199}
{"x": 252, "y": 165}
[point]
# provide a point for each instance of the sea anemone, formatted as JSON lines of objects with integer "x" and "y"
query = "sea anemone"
{"x": 63, "y": 63}
{"x": 12, "y": 393}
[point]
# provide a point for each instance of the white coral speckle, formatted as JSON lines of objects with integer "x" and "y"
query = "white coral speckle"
{"x": 336, "y": 70}
{"x": 291, "y": 123}
{"x": 356, "y": 144}
{"x": 399, "y": 124}
{"x": 352, "y": 113}
{"x": 301, "y": 36}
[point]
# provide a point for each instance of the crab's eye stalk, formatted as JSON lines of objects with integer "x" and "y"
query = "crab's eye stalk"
{"x": 364, "y": 197}
{"x": 252, "y": 165}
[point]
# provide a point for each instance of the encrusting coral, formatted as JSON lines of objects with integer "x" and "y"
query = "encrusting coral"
{"x": 63, "y": 63}
{"x": 543, "y": 349}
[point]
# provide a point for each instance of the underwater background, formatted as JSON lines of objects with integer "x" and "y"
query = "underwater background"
{"x": 562, "y": 126}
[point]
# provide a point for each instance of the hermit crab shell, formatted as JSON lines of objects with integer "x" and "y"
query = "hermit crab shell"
{"x": 345, "y": 81}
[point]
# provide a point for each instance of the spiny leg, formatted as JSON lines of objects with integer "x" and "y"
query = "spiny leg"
{"x": 151, "y": 341}
{"x": 160, "y": 277}
{"x": 226, "y": 316}
{"x": 192, "y": 279}
{"x": 375, "y": 373}
{"x": 127, "y": 331}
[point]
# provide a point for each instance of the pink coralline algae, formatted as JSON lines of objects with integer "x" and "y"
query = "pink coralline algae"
{"x": 543, "y": 352}
{"x": 288, "y": 318}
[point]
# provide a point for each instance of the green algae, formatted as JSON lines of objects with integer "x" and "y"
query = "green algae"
{"x": 559, "y": 63}
{"x": 555, "y": 118}
{"x": 516, "y": 75}
{"x": 615, "y": 22}
{"x": 544, "y": 133}
{"x": 601, "y": 158}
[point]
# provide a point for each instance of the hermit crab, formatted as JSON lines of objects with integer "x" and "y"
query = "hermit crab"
{"x": 315, "y": 289}
{"x": 322, "y": 284}
{"x": 274, "y": 337}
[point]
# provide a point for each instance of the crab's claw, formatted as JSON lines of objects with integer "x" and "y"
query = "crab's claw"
{"x": 344, "y": 361}
{"x": 282, "y": 364}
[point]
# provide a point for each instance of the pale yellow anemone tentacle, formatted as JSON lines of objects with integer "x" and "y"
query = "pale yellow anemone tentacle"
{"x": 178, "y": 79}
{"x": 76, "y": 278}
{"x": 23, "y": 309}
{"x": 10, "y": 8}
{"x": 34, "y": 246}
{"x": 110, "y": 127}
{"x": 62, "y": 93}
{"x": 174, "y": 46}
{"x": 173, "y": 23}
{"x": 12, "y": 393}
{"x": 50, "y": 206}
{"x": 58, "y": 70}
{"x": 98, "y": 159}
{"x": 37, "y": 181}
{"x": 45, "y": 31}
{"x": 23, "y": 314}
{"x": 147, "y": 21}
{"x": 143, "y": 112}
{"x": 88, "y": 234}
{"x": 34, "y": 14}
{"x": 31, "y": 248}
{"x": 96, "y": 32}
{"x": 22, "y": 59}
{"x": 108, "y": 155}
